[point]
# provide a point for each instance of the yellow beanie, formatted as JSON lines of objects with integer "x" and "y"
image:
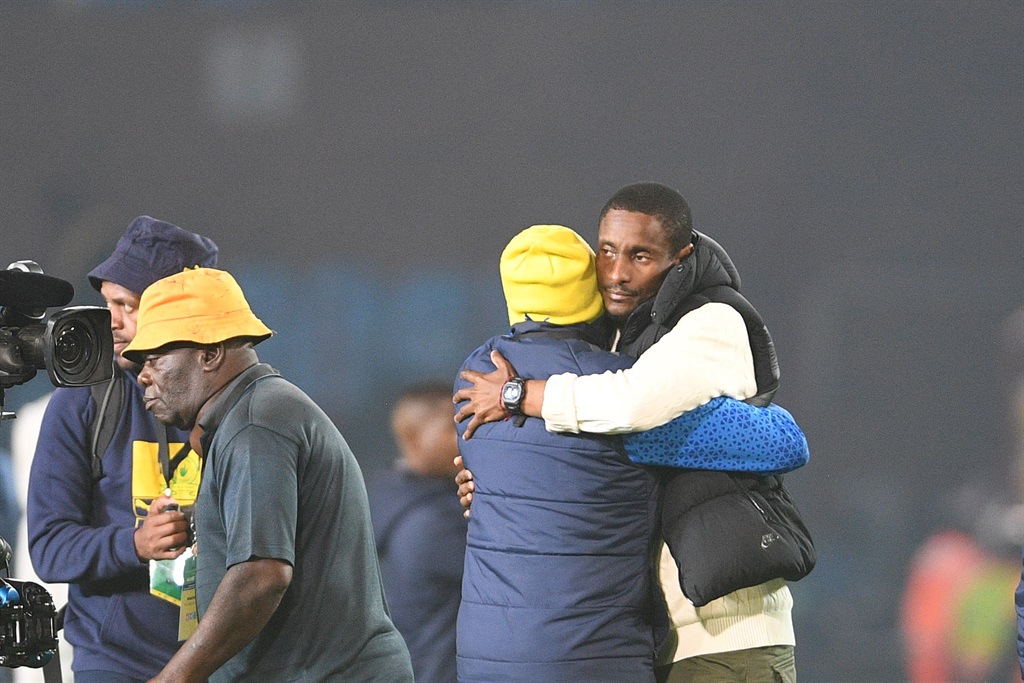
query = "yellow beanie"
{"x": 548, "y": 274}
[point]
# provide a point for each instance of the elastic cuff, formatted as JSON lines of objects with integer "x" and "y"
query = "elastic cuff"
{"x": 125, "y": 544}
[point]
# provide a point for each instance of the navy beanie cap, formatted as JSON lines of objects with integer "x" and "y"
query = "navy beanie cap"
{"x": 150, "y": 250}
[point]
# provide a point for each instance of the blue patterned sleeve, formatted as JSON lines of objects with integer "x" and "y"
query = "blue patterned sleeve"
{"x": 727, "y": 435}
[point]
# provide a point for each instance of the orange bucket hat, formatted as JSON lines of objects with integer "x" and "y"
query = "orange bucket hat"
{"x": 198, "y": 305}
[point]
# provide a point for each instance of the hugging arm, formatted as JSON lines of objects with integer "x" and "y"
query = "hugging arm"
{"x": 707, "y": 354}
{"x": 725, "y": 435}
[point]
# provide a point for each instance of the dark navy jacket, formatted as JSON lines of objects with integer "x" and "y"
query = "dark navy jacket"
{"x": 421, "y": 542}
{"x": 84, "y": 533}
{"x": 558, "y": 576}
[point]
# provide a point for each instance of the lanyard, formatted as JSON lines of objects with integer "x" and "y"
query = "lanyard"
{"x": 167, "y": 463}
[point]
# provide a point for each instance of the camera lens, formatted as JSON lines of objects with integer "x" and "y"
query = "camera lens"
{"x": 77, "y": 348}
{"x": 73, "y": 344}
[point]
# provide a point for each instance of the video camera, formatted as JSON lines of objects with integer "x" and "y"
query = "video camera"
{"x": 74, "y": 345}
{"x": 28, "y": 619}
{"x": 76, "y": 348}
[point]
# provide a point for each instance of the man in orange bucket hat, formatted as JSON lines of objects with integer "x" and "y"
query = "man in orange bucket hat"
{"x": 287, "y": 582}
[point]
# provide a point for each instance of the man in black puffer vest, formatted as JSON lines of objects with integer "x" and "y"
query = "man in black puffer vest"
{"x": 674, "y": 296}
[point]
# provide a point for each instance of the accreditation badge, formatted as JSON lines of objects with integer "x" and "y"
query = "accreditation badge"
{"x": 166, "y": 577}
{"x": 188, "y": 618}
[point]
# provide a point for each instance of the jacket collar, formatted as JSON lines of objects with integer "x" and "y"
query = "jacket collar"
{"x": 599, "y": 333}
{"x": 228, "y": 398}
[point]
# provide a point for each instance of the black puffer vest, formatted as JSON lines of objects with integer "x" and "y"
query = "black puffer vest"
{"x": 707, "y": 275}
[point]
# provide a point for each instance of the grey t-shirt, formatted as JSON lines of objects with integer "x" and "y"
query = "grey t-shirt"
{"x": 280, "y": 482}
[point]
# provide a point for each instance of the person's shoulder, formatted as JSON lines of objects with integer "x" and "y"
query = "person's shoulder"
{"x": 274, "y": 395}
{"x": 483, "y": 351}
{"x": 68, "y": 398}
{"x": 390, "y": 484}
{"x": 430, "y": 509}
{"x": 70, "y": 393}
{"x": 592, "y": 359}
{"x": 66, "y": 417}
{"x": 278, "y": 406}
{"x": 718, "y": 306}
{"x": 583, "y": 346}
{"x": 720, "y": 317}
{"x": 479, "y": 359}
{"x": 400, "y": 485}
{"x": 386, "y": 492}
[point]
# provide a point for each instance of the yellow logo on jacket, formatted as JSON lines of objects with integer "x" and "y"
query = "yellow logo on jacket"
{"x": 148, "y": 482}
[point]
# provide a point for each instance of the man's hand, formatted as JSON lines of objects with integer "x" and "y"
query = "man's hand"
{"x": 163, "y": 533}
{"x": 465, "y": 481}
{"x": 483, "y": 394}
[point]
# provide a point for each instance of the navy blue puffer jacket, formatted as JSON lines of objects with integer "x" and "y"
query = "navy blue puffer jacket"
{"x": 558, "y": 579}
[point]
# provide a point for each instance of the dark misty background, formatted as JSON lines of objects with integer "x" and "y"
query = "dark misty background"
{"x": 362, "y": 164}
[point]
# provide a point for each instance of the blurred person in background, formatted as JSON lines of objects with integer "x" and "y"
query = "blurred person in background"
{"x": 89, "y": 521}
{"x": 956, "y": 617}
{"x": 420, "y": 531}
{"x": 287, "y": 580}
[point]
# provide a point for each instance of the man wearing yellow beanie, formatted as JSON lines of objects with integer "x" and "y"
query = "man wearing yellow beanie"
{"x": 558, "y": 582}
{"x": 287, "y": 581}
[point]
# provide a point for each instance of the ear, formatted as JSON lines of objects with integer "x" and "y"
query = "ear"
{"x": 213, "y": 357}
{"x": 683, "y": 253}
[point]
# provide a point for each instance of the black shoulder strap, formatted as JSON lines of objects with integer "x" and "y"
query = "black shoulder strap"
{"x": 109, "y": 399}
{"x": 52, "y": 672}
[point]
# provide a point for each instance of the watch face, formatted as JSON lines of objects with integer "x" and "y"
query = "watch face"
{"x": 511, "y": 391}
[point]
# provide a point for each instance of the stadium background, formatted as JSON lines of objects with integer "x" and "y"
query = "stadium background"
{"x": 362, "y": 164}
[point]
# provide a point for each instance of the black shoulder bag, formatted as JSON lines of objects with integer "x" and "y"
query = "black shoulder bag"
{"x": 730, "y": 531}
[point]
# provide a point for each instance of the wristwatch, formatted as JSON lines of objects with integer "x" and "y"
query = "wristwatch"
{"x": 512, "y": 394}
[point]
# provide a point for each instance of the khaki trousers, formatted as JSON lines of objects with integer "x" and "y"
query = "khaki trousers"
{"x": 775, "y": 664}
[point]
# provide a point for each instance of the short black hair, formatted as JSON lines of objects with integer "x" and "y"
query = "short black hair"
{"x": 428, "y": 392}
{"x": 660, "y": 201}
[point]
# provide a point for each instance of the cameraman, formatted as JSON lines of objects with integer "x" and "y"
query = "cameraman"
{"x": 95, "y": 525}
